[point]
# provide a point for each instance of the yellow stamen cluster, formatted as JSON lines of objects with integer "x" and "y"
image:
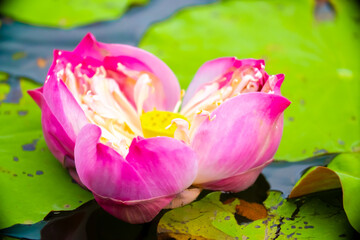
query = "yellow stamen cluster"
{"x": 159, "y": 123}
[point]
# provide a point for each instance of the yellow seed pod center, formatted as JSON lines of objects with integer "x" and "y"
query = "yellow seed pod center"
{"x": 156, "y": 123}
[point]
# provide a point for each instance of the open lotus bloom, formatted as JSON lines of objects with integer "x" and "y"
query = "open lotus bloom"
{"x": 116, "y": 114}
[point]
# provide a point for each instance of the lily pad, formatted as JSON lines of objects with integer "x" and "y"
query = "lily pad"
{"x": 343, "y": 171}
{"x": 64, "y": 13}
{"x": 319, "y": 56}
{"x": 32, "y": 181}
{"x": 318, "y": 217}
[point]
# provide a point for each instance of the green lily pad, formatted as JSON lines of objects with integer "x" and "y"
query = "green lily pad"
{"x": 316, "y": 217}
{"x": 343, "y": 171}
{"x": 319, "y": 56}
{"x": 64, "y": 13}
{"x": 32, "y": 181}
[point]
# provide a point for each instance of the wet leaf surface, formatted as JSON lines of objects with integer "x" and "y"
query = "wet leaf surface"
{"x": 64, "y": 13}
{"x": 317, "y": 217}
{"x": 343, "y": 171}
{"x": 319, "y": 56}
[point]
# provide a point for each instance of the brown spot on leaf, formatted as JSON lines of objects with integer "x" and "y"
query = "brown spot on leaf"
{"x": 252, "y": 211}
{"x": 228, "y": 201}
{"x": 41, "y": 62}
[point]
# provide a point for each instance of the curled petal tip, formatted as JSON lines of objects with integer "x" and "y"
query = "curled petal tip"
{"x": 37, "y": 95}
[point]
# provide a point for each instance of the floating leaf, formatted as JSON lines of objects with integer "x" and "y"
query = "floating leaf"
{"x": 320, "y": 58}
{"x": 343, "y": 171}
{"x": 314, "y": 180}
{"x": 318, "y": 217}
{"x": 283, "y": 175}
{"x": 64, "y": 13}
{"x": 32, "y": 181}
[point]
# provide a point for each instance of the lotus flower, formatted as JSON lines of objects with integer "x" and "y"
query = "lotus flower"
{"x": 112, "y": 111}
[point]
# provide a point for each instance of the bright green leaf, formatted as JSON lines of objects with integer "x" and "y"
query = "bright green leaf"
{"x": 316, "y": 217}
{"x": 32, "y": 181}
{"x": 65, "y": 13}
{"x": 320, "y": 59}
{"x": 347, "y": 167}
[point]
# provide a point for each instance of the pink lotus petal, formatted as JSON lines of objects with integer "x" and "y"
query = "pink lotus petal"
{"x": 37, "y": 95}
{"x": 244, "y": 133}
{"x": 155, "y": 168}
{"x": 111, "y": 62}
{"x": 57, "y": 139}
{"x": 134, "y": 211}
{"x": 160, "y": 158}
{"x": 238, "y": 182}
{"x": 215, "y": 69}
{"x": 145, "y": 210}
{"x": 64, "y": 106}
{"x": 137, "y": 58}
{"x": 185, "y": 197}
{"x": 279, "y": 80}
{"x": 273, "y": 84}
{"x": 208, "y": 72}
{"x": 63, "y": 58}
